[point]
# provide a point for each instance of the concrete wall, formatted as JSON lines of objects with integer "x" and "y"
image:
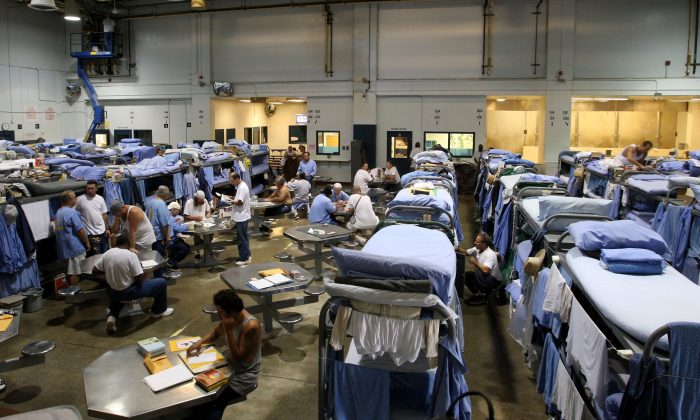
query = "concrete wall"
{"x": 394, "y": 64}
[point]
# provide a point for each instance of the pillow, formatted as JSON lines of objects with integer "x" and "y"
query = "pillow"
{"x": 695, "y": 154}
{"x": 592, "y": 236}
{"x": 551, "y": 205}
{"x": 682, "y": 181}
{"x": 696, "y": 193}
{"x": 632, "y": 261}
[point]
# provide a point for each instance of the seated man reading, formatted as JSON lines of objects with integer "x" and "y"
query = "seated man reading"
{"x": 242, "y": 334}
{"x": 125, "y": 281}
{"x": 486, "y": 276}
{"x": 282, "y": 196}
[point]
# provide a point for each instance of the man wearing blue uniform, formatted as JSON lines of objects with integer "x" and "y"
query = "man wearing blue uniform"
{"x": 307, "y": 166}
{"x": 177, "y": 248}
{"x": 338, "y": 194}
{"x": 71, "y": 239}
{"x": 322, "y": 208}
{"x": 159, "y": 216}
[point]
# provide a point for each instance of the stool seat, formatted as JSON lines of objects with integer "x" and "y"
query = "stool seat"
{"x": 68, "y": 291}
{"x": 172, "y": 274}
{"x": 315, "y": 290}
{"x": 282, "y": 256}
{"x": 38, "y": 348}
{"x": 290, "y": 317}
{"x": 209, "y": 308}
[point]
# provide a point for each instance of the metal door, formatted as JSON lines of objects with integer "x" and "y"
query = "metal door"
{"x": 398, "y": 149}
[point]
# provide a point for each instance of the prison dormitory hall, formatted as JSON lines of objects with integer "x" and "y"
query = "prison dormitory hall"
{"x": 349, "y": 210}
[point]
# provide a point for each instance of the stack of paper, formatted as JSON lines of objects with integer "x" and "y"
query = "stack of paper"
{"x": 210, "y": 358}
{"x": 168, "y": 377}
{"x": 269, "y": 281}
{"x": 146, "y": 264}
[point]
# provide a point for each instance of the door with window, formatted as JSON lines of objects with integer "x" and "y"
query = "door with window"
{"x": 398, "y": 149}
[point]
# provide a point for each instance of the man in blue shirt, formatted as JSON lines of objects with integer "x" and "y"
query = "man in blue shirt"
{"x": 177, "y": 248}
{"x": 159, "y": 216}
{"x": 339, "y": 195}
{"x": 308, "y": 167}
{"x": 71, "y": 239}
{"x": 322, "y": 208}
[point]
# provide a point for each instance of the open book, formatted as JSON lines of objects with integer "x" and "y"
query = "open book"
{"x": 208, "y": 359}
{"x": 269, "y": 281}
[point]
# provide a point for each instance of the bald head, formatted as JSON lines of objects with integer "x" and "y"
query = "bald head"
{"x": 356, "y": 189}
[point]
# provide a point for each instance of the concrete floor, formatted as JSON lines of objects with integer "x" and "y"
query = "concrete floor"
{"x": 287, "y": 388}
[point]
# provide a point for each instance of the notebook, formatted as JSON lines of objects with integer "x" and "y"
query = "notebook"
{"x": 183, "y": 343}
{"x": 168, "y": 378}
{"x": 278, "y": 279}
{"x": 209, "y": 359}
{"x": 146, "y": 264}
{"x": 260, "y": 284}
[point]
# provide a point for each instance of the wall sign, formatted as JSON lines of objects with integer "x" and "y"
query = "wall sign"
{"x": 436, "y": 117}
{"x": 49, "y": 114}
{"x": 30, "y": 113}
{"x": 565, "y": 117}
{"x": 479, "y": 115}
{"x": 551, "y": 117}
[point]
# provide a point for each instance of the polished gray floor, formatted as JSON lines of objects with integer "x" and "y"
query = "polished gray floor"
{"x": 288, "y": 381}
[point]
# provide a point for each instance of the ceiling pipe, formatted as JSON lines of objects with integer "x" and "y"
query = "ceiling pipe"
{"x": 537, "y": 14}
{"x": 257, "y": 7}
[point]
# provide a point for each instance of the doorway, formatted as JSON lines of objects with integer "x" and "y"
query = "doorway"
{"x": 398, "y": 149}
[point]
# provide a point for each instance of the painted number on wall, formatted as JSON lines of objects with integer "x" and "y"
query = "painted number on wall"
{"x": 479, "y": 115}
{"x": 565, "y": 117}
{"x": 436, "y": 117}
{"x": 551, "y": 117}
{"x": 314, "y": 116}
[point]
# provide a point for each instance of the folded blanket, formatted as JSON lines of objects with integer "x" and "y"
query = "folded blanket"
{"x": 673, "y": 166}
{"x": 632, "y": 261}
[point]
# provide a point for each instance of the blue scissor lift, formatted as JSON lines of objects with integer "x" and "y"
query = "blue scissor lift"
{"x": 97, "y": 46}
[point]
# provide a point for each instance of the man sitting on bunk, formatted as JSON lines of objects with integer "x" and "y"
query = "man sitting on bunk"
{"x": 125, "y": 281}
{"x": 308, "y": 167}
{"x": 197, "y": 208}
{"x": 322, "y": 208}
{"x": 133, "y": 223}
{"x": 71, "y": 239}
{"x": 486, "y": 276}
{"x": 363, "y": 217}
{"x": 280, "y": 195}
{"x": 177, "y": 247}
{"x": 635, "y": 155}
{"x": 338, "y": 196}
{"x": 302, "y": 193}
{"x": 392, "y": 177}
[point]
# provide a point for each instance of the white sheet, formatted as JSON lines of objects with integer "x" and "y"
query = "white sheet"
{"x": 638, "y": 305}
{"x": 8, "y": 165}
{"x": 38, "y": 217}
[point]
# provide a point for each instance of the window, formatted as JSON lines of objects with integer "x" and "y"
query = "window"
{"x": 230, "y": 134}
{"x": 297, "y": 134}
{"x": 458, "y": 144}
{"x": 399, "y": 147}
{"x": 328, "y": 142}
{"x": 146, "y": 137}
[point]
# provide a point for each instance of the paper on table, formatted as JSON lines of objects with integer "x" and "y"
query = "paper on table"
{"x": 260, "y": 284}
{"x": 208, "y": 224}
{"x": 183, "y": 343}
{"x": 168, "y": 377}
{"x": 5, "y": 321}
{"x": 148, "y": 264}
{"x": 278, "y": 279}
{"x": 206, "y": 357}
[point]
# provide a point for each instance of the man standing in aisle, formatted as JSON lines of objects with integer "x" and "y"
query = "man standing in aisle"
{"x": 93, "y": 212}
{"x": 71, "y": 240}
{"x": 159, "y": 216}
{"x": 241, "y": 215}
{"x": 308, "y": 167}
{"x": 177, "y": 248}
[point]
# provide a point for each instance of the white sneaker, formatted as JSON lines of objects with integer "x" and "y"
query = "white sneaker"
{"x": 167, "y": 312}
{"x": 245, "y": 262}
{"x": 111, "y": 325}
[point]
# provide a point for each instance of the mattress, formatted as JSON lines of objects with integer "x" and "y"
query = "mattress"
{"x": 653, "y": 187}
{"x": 570, "y": 159}
{"x": 598, "y": 170}
{"x": 442, "y": 200}
{"x": 625, "y": 300}
{"x": 531, "y": 206}
{"x": 428, "y": 247}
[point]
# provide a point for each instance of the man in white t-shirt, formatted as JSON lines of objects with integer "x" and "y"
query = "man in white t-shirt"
{"x": 302, "y": 194}
{"x": 197, "y": 208}
{"x": 391, "y": 177}
{"x": 486, "y": 276}
{"x": 93, "y": 212}
{"x": 125, "y": 282}
{"x": 363, "y": 216}
{"x": 362, "y": 178}
{"x": 241, "y": 215}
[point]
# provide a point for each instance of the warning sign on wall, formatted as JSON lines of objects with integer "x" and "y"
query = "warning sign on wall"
{"x": 30, "y": 113}
{"x": 49, "y": 114}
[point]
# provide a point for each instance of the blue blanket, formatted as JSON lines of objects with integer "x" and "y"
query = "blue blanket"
{"x": 684, "y": 371}
{"x": 695, "y": 154}
{"x": 673, "y": 166}
{"x": 632, "y": 261}
{"x": 593, "y": 236}
{"x": 673, "y": 224}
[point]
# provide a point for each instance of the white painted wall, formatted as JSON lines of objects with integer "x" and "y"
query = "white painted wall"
{"x": 331, "y": 114}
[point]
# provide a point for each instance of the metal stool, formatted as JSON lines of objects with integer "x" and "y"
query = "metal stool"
{"x": 315, "y": 290}
{"x": 172, "y": 274}
{"x": 38, "y": 348}
{"x": 290, "y": 317}
{"x": 68, "y": 291}
{"x": 210, "y": 309}
{"x": 283, "y": 256}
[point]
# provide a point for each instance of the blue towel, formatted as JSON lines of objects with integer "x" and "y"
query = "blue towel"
{"x": 547, "y": 373}
{"x": 632, "y": 261}
{"x": 359, "y": 392}
{"x": 674, "y": 227}
{"x": 684, "y": 371}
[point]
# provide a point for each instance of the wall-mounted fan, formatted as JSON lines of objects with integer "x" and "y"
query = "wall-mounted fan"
{"x": 223, "y": 88}
{"x": 270, "y": 109}
{"x": 72, "y": 90}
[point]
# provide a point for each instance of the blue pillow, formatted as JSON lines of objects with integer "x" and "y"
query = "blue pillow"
{"x": 695, "y": 154}
{"x": 593, "y": 236}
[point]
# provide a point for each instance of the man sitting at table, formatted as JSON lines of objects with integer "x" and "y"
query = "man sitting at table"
{"x": 308, "y": 167}
{"x": 197, "y": 208}
{"x": 282, "y": 196}
{"x": 125, "y": 281}
{"x": 322, "y": 208}
{"x": 302, "y": 193}
{"x": 339, "y": 196}
{"x": 392, "y": 177}
{"x": 362, "y": 178}
{"x": 243, "y": 337}
{"x": 363, "y": 217}
{"x": 177, "y": 247}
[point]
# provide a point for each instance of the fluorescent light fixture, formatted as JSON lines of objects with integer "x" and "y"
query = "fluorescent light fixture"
{"x": 198, "y": 4}
{"x": 599, "y": 99}
{"x": 501, "y": 100}
{"x": 244, "y": 100}
{"x": 71, "y": 11}
{"x": 297, "y": 100}
{"x": 275, "y": 102}
{"x": 43, "y": 5}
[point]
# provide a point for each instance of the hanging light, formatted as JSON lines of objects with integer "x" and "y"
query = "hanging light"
{"x": 43, "y": 5}
{"x": 71, "y": 11}
{"x": 198, "y": 4}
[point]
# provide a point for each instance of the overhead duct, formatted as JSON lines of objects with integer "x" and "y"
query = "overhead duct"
{"x": 71, "y": 11}
{"x": 43, "y": 5}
